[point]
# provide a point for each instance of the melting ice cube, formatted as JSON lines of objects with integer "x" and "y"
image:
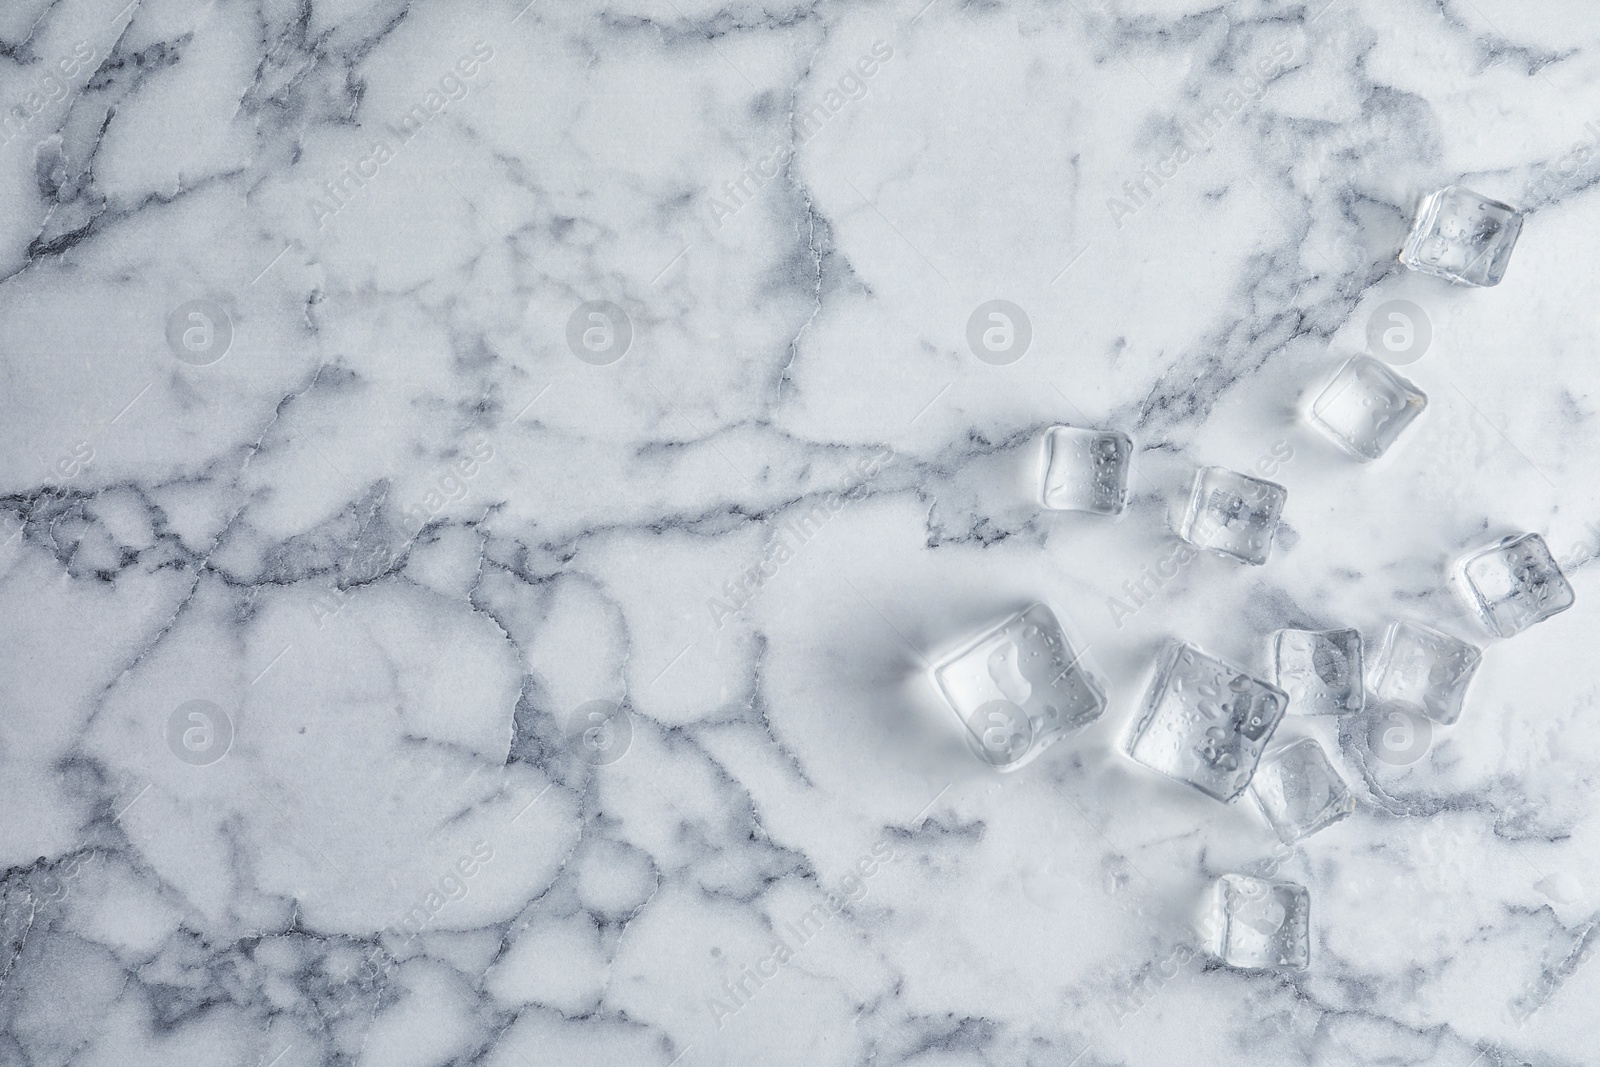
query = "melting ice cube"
{"x": 1020, "y": 687}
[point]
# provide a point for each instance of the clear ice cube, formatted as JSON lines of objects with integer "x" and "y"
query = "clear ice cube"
{"x": 1019, "y": 688}
{"x": 1462, "y": 236}
{"x": 1424, "y": 668}
{"x": 1320, "y": 670}
{"x": 1516, "y": 583}
{"x": 1260, "y": 925}
{"x": 1205, "y": 721}
{"x": 1298, "y": 790}
{"x": 1365, "y": 408}
{"x": 1086, "y": 470}
{"x": 1233, "y": 514}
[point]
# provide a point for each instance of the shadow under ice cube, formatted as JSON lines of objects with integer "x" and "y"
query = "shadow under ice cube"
{"x": 1086, "y": 470}
{"x": 1365, "y": 408}
{"x": 1205, "y": 722}
{"x": 1019, "y": 688}
{"x": 1233, "y": 514}
{"x": 1516, "y": 583}
{"x": 1299, "y": 792}
{"x": 1462, "y": 236}
{"x": 1260, "y": 925}
{"x": 1320, "y": 670}
{"x": 1424, "y": 668}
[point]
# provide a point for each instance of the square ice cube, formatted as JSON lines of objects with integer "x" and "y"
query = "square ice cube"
{"x": 1205, "y": 721}
{"x": 1320, "y": 670}
{"x": 1233, "y": 514}
{"x": 1086, "y": 470}
{"x": 1424, "y": 668}
{"x": 1365, "y": 407}
{"x": 1260, "y": 925}
{"x": 1019, "y": 688}
{"x": 1516, "y": 583}
{"x": 1462, "y": 236}
{"x": 1298, "y": 790}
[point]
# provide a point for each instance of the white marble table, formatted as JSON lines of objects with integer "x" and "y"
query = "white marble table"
{"x": 321, "y": 542}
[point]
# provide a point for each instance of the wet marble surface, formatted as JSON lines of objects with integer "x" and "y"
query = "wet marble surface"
{"x": 482, "y": 485}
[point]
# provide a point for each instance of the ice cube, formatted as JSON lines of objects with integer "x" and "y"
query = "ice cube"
{"x": 1019, "y": 688}
{"x": 1298, "y": 790}
{"x": 1260, "y": 925}
{"x": 1365, "y": 407}
{"x": 1320, "y": 670}
{"x": 1424, "y": 668}
{"x": 1463, "y": 236}
{"x": 1086, "y": 470}
{"x": 1205, "y": 721}
{"x": 1516, "y": 583}
{"x": 1233, "y": 514}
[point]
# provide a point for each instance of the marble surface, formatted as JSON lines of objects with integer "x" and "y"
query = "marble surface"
{"x": 325, "y": 554}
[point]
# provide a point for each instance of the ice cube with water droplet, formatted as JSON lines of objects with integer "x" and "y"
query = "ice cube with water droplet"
{"x": 1086, "y": 470}
{"x": 1020, "y": 687}
{"x": 1426, "y": 669}
{"x": 1260, "y": 925}
{"x": 1205, "y": 721}
{"x": 1516, "y": 583}
{"x": 1233, "y": 514}
{"x": 1320, "y": 670}
{"x": 1462, "y": 236}
{"x": 1298, "y": 790}
{"x": 1365, "y": 407}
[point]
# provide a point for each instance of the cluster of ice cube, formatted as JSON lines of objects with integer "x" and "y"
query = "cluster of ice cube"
{"x": 1458, "y": 235}
{"x": 1024, "y": 684}
{"x": 1229, "y": 513}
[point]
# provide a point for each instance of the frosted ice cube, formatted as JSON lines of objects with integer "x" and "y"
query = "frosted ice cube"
{"x": 1260, "y": 925}
{"x": 1365, "y": 407}
{"x": 1516, "y": 583}
{"x": 1019, "y": 688}
{"x": 1086, "y": 470}
{"x": 1424, "y": 668}
{"x": 1205, "y": 721}
{"x": 1320, "y": 670}
{"x": 1298, "y": 790}
{"x": 1462, "y": 236}
{"x": 1233, "y": 514}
